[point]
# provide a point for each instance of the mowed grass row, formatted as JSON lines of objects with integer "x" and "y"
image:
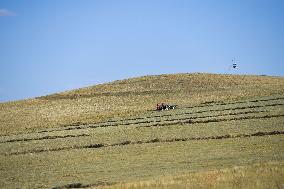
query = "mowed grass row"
{"x": 109, "y": 133}
{"x": 182, "y": 115}
{"x": 189, "y": 139}
{"x": 176, "y": 127}
{"x": 154, "y": 116}
{"x": 233, "y": 124}
{"x": 108, "y": 137}
{"x": 131, "y": 97}
{"x": 203, "y": 108}
{"x": 131, "y": 163}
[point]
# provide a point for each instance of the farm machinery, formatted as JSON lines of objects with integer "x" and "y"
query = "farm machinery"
{"x": 163, "y": 106}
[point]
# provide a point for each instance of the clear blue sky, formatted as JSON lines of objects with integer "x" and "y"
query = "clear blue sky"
{"x": 49, "y": 46}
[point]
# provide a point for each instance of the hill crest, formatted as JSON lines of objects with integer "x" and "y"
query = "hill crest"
{"x": 167, "y": 83}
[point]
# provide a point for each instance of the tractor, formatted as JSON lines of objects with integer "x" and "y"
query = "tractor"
{"x": 163, "y": 106}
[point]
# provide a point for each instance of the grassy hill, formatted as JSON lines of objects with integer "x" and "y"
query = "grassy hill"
{"x": 227, "y": 132}
{"x": 131, "y": 97}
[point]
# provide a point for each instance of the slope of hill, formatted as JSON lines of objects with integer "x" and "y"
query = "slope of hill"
{"x": 227, "y": 131}
{"x": 130, "y": 97}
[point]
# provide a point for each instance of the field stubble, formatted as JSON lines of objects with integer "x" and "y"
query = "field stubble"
{"x": 121, "y": 99}
{"x": 106, "y": 134}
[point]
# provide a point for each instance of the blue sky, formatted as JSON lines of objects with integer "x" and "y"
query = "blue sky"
{"x": 50, "y": 46}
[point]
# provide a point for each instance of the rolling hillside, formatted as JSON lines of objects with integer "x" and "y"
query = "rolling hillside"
{"x": 226, "y": 132}
{"x": 131, "y": 97}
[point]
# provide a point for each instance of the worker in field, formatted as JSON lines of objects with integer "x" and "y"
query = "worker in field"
{"x": 158, "y": 106}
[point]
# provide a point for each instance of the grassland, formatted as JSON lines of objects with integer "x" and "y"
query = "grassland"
{"x": 226, "y": 133}
{"x": 263, "y": 175}
{"x": 130, "y": 97}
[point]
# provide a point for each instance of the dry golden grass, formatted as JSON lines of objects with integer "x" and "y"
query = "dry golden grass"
{"x": 189, "y": 147}
{"x": 264, "y": 175}
{"x": 130, "y": 97}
